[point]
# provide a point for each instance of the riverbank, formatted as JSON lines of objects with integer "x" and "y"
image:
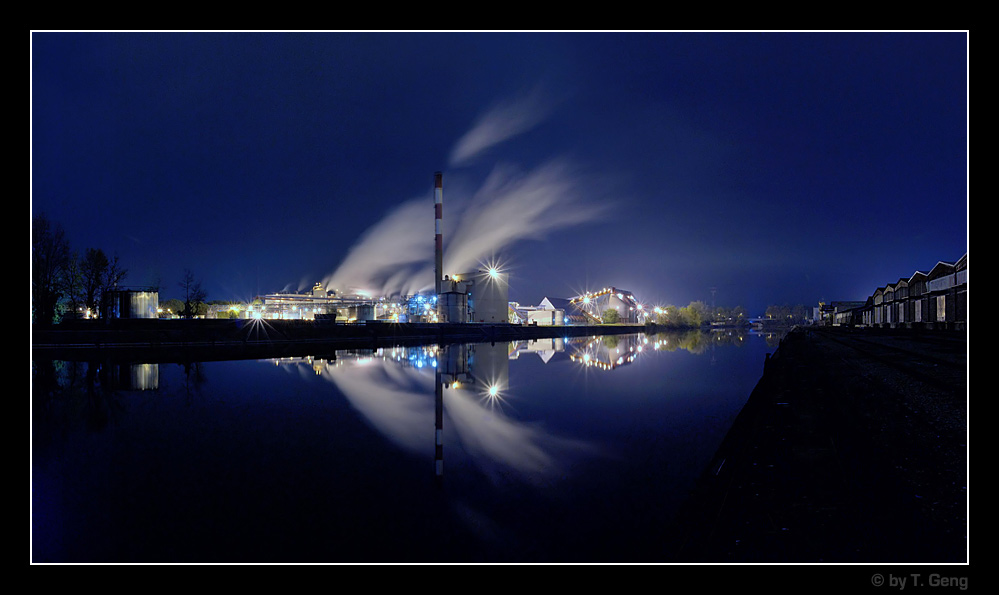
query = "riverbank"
{"x": 240, "y": 339}
{"x": 851, "y": 448}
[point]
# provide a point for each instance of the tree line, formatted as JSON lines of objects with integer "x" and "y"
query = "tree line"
{"x": 786, "y": 314}
{"x": 698, "y": 313}
{"x": 68, "y": 283}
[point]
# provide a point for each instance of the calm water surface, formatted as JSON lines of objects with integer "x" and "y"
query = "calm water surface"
{"x": 577, "y": 450}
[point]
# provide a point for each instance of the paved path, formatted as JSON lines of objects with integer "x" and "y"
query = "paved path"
{"x": 852, "y": 448}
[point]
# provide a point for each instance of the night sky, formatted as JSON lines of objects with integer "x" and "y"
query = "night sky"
{"x": 773, "y": 167}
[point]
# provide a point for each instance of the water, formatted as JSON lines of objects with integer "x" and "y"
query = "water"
{"x": 577, "y": 450}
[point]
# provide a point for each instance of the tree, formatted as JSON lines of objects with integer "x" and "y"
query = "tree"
{"x": 92, "y": 269}
{"x": 785, "y": 314}
{"x": 610, "y": 316}
{"x": 98, "y": 276}
{"x": 697, "y": 312}
{"x": 194, "y": 295}
{"x": 776, "y": 312}
{"x": 113, "y": 275}
{"x": 50, "y": 258}
{"x": 799, "y": 313}
{"x": 736, "y": 315}
{"x": 73, "y": 284}
{"x": 667, "y": 315}
{"x": 173, "y": 306}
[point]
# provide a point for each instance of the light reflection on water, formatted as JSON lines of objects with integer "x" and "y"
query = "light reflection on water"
{"x": 554, "y": 450}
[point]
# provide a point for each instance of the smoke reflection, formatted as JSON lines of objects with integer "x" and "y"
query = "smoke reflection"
{"x": 497, "y": 442}
{"x": 399, "y": 402}
{"x": 389, "y": 401}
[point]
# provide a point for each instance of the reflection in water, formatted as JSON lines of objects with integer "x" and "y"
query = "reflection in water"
{"x": 391, "y": 388}
{"x": 609, "y": 351}
{"x": 89, "y": 391}
{"x": 133, "y": 376}
{"x": 542, "y": 462}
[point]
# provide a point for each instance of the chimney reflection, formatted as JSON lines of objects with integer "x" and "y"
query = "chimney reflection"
{"x": 389, "y": 387}
{"x": 481, "y": 368}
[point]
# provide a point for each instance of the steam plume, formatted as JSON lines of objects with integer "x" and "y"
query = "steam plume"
{"x": 504, "y": 121}
{"x": 395, "y": 256}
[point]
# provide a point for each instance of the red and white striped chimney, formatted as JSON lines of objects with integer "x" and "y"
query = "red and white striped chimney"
{"x": 438, "y": 231}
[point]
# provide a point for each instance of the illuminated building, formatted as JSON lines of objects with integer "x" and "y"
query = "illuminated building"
{"x": 132, "y": 303}
{"x": 479, "y": 296}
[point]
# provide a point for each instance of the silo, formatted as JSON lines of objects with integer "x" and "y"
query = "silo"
{"x": 130, "y": 303}
{"x": 452, "y": 301}
{"x": 488, "y": 299}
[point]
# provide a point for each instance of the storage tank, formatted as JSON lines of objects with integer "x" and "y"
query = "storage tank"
{"x": 453, "y": 306}
{"x": 361, "y": 312}
{"x": 131, "y": 303}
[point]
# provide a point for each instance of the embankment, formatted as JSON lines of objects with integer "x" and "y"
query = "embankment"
{"x": 189, "y": 340}
{"x": 851, "y": 448}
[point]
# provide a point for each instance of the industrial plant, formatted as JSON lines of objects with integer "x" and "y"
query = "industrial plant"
{"x": 478, "y": 296}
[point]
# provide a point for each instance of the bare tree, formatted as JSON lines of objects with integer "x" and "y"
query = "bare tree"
{"x": 50, "y": 258}
{"x": 193, "y": 293}
{"x": 98, "y": 276}
{"x": 114, "y": 274}
{"x": 73, "y": 284}
{"x": 92, "y": 270}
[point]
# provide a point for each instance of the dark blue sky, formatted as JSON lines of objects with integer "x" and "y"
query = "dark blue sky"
{"x": 774, "y": 167}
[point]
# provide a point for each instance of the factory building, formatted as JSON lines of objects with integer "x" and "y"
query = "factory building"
{"x": 291, "y": 306}
{"x": 581, "y": 310}
{"x": 550, "y": 312}
{"x": 314, "y": 304}
{"x": 479, "y": 296}
{"x": 594, "y": 305}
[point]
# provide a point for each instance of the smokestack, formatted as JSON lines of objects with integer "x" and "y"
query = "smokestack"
{"x": 438, "y": 230}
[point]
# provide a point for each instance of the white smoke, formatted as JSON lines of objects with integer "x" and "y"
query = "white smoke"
{"x": 396, "y": 255}
{"x": 503, "y": 122}
{"x": 513, "y": 206}
{"x": 384, "y": 259}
